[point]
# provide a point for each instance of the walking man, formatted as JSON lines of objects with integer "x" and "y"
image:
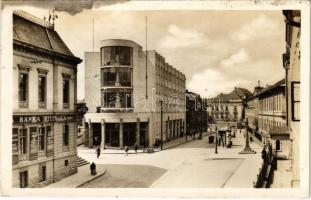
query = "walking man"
{"x": 98, "y": 152}
{"x": 126, "y": 150}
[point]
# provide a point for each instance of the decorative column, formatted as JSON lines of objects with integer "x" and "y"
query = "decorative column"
{"x": 90, "y": 134}
{"x": 121, "y": 133}
{"x": 138, "y": 132}
{"x": 103, "y": 133}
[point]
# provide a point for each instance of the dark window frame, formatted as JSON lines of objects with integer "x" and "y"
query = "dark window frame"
{"x": 66, "y": 91}
{"x": 293, "y": 101}
{"x": 42, "y": 95}
{"x": 66, "y": 135}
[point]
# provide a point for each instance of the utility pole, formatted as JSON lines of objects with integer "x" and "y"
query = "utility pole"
{"x": 161, "y": 103}
{"x": 216, "y": 141}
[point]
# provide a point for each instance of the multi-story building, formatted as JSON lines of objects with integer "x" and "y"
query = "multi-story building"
{"x": 196, "y": 113}
{"x": 124, "y": 88}
{"x": 229, "y": 107}
{"x": 266, "y": 115}
{"x": 291, "y": 64}
{"x": 44, "y": 104}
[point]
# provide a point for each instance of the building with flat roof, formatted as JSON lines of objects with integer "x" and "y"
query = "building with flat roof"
{"x": 44, "y": 104}
{"x": 124, "y": 88}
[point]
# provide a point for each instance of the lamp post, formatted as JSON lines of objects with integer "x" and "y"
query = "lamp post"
{"x": 216, "y": 141}
{"x": 161, "y": 103}
{"x": 247, "y": 149}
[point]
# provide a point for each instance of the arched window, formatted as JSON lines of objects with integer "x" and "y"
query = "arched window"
{"x": 278, "y": 145}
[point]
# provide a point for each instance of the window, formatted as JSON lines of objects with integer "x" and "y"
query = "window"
{"x": 116, "y": 55}
{"x": 66, "y": 135}
{"x": 295, "y": 101}
{"x": 42, "y": 173}
{"x": 278, "y": 145}
{"x": 42, "y": 90}
{"x": 23, "y": 179}
{"x": 66, "y": 162}
{"x": 66, "y": 92}
{"x": 23, "y": 87}
{"x": 23, "y": 141}
{"x": 116, "y": 76}
{"x": 117, "y": 98}
{"x": 42, "y": 137}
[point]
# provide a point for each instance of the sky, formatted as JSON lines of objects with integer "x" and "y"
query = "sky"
{"x": 217, "y": 50}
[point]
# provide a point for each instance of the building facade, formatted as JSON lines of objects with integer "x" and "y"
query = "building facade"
{"x": 196, "y": 114}
{"x": 44, "y": 106}
{"x": 229, "y": 107}
{"x": 124, "y": 88}
{"x": 291, "y": 64}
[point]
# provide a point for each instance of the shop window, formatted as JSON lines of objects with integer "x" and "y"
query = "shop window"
{"x": 23, "y": 179}
{"x": 23, "y": 141}
{"x": 278, "y": 145}
{"x": 66, "y": 135}
{"x": 42, "y": 173}
{"x": 23, "y": 89}
{"x": 42, "y": 91}
{"x": 295, "y": 101}
{"x": 42, "y": 138}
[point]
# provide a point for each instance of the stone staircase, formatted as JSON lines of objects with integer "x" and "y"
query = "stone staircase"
{"x": 81, "y": 162}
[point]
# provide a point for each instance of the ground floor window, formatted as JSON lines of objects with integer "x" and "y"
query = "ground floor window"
{"x": 23, "y": 179}
{"x": 278, "y": 145}
{"x": 42, "y": 173}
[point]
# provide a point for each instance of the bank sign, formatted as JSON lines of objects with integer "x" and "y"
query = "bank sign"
{"x": 43, "y": 118}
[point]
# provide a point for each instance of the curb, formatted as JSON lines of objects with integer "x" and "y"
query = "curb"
{"x": 91, "y": 179}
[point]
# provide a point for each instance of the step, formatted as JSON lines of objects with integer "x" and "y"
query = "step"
{"x": 81, "y": 162}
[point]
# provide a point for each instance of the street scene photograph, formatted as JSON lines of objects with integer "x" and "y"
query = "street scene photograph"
{"x": 156, "y": 98}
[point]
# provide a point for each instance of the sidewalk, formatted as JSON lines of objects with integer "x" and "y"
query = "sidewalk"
{"x": 166, "y": 145}
{"x": 80, "y": 178}
{"x": 246, "y": 173}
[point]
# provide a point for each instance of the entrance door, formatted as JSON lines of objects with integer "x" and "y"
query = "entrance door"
{"x": 129, "y": 132}
{"x": 23, "y": 179}
{"x": 97, "y": 134}
{"x": 142, "y": 134}
{"x": 112, "y": 134}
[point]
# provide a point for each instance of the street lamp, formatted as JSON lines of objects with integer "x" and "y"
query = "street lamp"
{"x": 161, "y": 103}
{"x": 216, "y": 141}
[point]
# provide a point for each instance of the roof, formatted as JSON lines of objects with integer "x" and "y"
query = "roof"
{"x": 31, "y": 30}
{"x": 268, "y": 89}
{"x": 236, "y": 94}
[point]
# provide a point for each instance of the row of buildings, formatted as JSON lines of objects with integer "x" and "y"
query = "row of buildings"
{"x": 273, "y": 112}
{"x": 129, "y": 94}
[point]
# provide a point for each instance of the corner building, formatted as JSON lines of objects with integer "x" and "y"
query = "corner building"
{"x": 123, "y": 89}
{"x": 44, "y": 104}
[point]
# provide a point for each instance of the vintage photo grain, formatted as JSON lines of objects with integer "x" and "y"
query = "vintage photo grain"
{"x": 167, "y": 98}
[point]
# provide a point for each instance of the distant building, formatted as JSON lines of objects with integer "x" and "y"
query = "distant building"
{"x": 123, "y": 91}
{"x": 44, "y": 146}
{"x": 196, "y": 114}
{"x": 229, "y": 107}
{"x": 291, "y": 64}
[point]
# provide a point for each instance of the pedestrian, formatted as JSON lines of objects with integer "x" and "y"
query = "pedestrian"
{"x": 126, "y": 150}
{"x": 93, "y": 169}
{"x": 264, "y": 153}
{"x": 136, "y": 147}
{"x": 98, "y": 152}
